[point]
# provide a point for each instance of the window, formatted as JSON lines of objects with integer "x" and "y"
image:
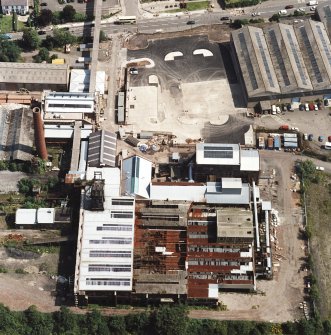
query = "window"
{"x": 110, "y": 253}
{"x": 121, "y": 215}
{"x": 109, "y": 268}
{"x": 107, "y": 282}
{"x": 112, "y": 240}
{"x": 58, "y": 105}
{"x": 122, "y": 202}
{"x": 115, "y": 227}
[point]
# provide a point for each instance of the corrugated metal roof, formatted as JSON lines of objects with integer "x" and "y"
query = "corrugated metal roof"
{"x": 102, "y": 149}
{"x": 229, "y": 196}
{"x": 231, "y": 183}
{"x": 137, "y": 175}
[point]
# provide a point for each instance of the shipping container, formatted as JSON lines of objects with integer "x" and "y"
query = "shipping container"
{"x": 58, "y": 61}
{"x": 277, "y": 142}
{"x": 261, "y": 143}
{"x": 270, "y": 143}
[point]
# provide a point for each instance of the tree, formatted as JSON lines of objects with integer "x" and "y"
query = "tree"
{"x": 14, "y": 21}
{"x": 62, "y": 37}
{"x": 116, "y": 325}
{"x": 96, "y": 323}
{"x": 65, "y": 321}
{"x": 9, "y": 51}
{"x": 275, "y": 18}
{"x": 102, "y": 36}
{"x": 42, "y": 56}
{"x": 137, "y": 323}
{"x": 30, "y": 39}
{"x": 307, "y": 170}
{"x": 45, "y": 18}
{"x": 37, "y": 322}
{"x": 169, "y": 320}
{"x": 68, "y": 13}
{"x": 48, "y": 42}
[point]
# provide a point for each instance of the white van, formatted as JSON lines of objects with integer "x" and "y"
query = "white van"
{"x": 306, "y": 107}
{"x": 278, "y": 111}
{"x": 273, "y": 110}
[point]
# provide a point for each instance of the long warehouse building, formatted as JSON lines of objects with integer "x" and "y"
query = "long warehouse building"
{"x": 283, "y": 61}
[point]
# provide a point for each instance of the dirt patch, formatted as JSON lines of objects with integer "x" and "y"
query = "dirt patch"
{"x": 216, "y": 33}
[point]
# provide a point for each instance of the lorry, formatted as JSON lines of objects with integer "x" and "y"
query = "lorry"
{"x": 312, "y": 3}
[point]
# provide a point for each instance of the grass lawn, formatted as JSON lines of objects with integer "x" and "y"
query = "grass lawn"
{"x": 318, "y": 200}
{"x": 191, "y": 6}
{"x": 6, "y": 24}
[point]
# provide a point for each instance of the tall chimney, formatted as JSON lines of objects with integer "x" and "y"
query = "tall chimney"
{"x": 39, "y": 134}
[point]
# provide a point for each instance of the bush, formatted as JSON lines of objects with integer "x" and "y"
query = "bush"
{"x": 20, "y": 271}
{"x": 3, "y": 270}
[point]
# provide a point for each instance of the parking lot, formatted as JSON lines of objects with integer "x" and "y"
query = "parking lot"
{"x": 187, "y": 99}
{"x": 81, "y": 7}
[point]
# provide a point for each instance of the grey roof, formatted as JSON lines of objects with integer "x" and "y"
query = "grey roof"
{"x": 217, "y": 195}
{"x": 16, "y": 134}
{"x": 34, "y": 73}
{"x": 14, "y": 2}
{"x": 255, "y": 61}
{"x": 235, "y": 223}
{"x": 284, "y": 59}
{"x": 316, "y": 51}
{"x": 102, "y": 149}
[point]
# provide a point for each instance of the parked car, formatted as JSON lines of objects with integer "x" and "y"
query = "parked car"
{"x": 326, "y": 102}
{"x": 310, "y": 137}
{"x": 311, "y": 107}
{"x": 43, "y": 4}
{"x": 316, "y": 107}
{"x": 313, "y": 8}
{"x": 289, "y": 108}
{"x": 41, "y": 32}
{"x": 191, "y": 22}
{"x": 329, "y": 138}
{"x": 133, "y": 71}
{"x": 320, "y": 138}
{"x": 284, "y": 127}
{"x": 319, "y": 105}
{"x": 307, "y": 107}
{"x": 320, "y": 168}
{"x": 289, "y": 7}
{"x": 301, "y": 107}
{"x": 5, "y": 36}
{"x": 278, "y": 111}
{"x": 305, "y": 137}
{"x": 225, "y": 18}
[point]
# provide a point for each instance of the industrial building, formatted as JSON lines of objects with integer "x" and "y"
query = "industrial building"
{"x": 16, "y": 134}
{"x": 80, "y": 81}
{"x": 235, "y": 161}
{"x": 33, "y": 76}
{"x": 283, "y": 61}
{"x": 104, "y": 257}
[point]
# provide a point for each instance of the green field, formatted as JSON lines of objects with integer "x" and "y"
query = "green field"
{"x": 191, "y": 6}
{"x": 6, "y": 24}
{"x": 318, "y": 204}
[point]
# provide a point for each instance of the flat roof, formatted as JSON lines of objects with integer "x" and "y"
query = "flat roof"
{"x": 112, "y": 177}
{"x": 25, "y": 216}
{"x": 106, "y": 248}
{"x": 34, "y": 73}
{"x": 217, "y": 154}
{"x": 178, "y": 191}
{"x": 249, "y": 160}
{"x": 45, "y": 215}
{"x": 235, "y": 223}
{"x": 235, "y": 193}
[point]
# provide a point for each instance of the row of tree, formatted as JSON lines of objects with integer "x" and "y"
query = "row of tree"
{"x": 166, "y": 320}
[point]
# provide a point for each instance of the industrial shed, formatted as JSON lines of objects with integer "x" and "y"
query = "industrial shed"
{"x": 80, "y": 81}
{"x": 283, "y": 61}
{"x": 16, "y": 134}
{"x": 33, "y": 76}
{"x": 102, "y": 149}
